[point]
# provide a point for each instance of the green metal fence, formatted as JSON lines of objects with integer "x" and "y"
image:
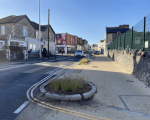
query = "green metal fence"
{"x": 136, "y": 38}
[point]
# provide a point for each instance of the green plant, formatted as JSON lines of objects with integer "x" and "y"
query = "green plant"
{"x": 56, "y": 84}
{"x": 68, "y": 83}
{"x": 84, "y": 61}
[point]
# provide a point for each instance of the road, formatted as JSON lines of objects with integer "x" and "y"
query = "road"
{"x": 17, "y": 77}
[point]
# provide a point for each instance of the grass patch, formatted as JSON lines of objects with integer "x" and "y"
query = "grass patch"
{"x": 83, "y": 61}
{"x": 67, "y": 83}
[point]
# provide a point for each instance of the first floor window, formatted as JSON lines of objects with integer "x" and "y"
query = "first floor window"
{"x": 24, "y": 31}
{"x": 49, "y": 37}
{"x": 2, "y": 30}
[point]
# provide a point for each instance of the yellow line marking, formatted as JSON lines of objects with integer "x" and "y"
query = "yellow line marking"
{"x": 71, "y": 111}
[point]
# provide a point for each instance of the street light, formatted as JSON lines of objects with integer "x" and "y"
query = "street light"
{"x": 39, "y": 31}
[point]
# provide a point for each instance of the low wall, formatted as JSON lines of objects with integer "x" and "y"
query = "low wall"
{"x": 136, "y": 62}
{"x": 16, "y": 52}
{"x": 33, "y": 55}
{"x": 3, "y": 55}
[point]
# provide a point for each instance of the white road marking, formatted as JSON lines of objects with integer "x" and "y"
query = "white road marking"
{"x": 22, "y": 106}
{"x": 6, "y": 66}
{"x": 13, "y": 67}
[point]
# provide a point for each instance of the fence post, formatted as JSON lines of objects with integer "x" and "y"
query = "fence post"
{"x": 120, "y": 42}
{"x": 132, "y": 38}
{"x": 124, "y": 39}
{"x": 144, "y": 34}
{"x": 117, "y": 43}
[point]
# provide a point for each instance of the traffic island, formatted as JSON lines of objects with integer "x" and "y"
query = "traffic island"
{"x": 61, "y": 89}
{"x": 84, "y": 61}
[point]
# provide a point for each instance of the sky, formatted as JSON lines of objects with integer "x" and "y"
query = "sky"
{"x": 84, "y": 18}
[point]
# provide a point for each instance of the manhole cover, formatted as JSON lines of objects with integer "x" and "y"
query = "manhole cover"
{"x": 74, "y": 71}
{"x": 129, "y": 81}
{"x": 136, "y": 103}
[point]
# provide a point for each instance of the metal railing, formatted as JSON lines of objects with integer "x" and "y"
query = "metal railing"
{"x": 136, "y": 38}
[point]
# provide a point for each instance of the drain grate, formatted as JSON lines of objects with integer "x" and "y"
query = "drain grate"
{"x": 95, "y": 66}
{"x": 129, "y": 81}
{"x": 74, "y": 71}
{"x": 136, "y": 103}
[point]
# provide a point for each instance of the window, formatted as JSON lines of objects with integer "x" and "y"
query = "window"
{"x": 37, "y": 34}
{"x": 49, "y": 37}
{"x": 71, "y": 40}
{"x": 2, "y": 30}
{"x": 30, "y": 46}
{"x": 1, "y": 45}
{"x": 24, "y": 31}
{"x": 34, "y": 47}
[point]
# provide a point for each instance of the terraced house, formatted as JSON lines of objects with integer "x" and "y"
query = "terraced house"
{"x": 19, "y": 35}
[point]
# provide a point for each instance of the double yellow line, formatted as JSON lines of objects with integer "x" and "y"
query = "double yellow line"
{"x": 79, "y": 114}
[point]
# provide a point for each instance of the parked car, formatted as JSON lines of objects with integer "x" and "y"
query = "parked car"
{"x": 79, "y": 53}
{"x": 96, "y": 52}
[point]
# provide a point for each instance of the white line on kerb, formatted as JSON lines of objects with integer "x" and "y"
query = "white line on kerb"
{"x": 22, "y": 106}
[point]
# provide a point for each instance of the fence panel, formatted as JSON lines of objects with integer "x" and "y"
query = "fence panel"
{"x": 128, "y": 40}
{"x": 122, "y": 41}
{"x": 147, "y": 33}
{"x": 138, "y": 30}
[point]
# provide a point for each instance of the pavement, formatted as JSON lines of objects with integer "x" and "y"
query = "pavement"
{"x": 120, "y": 96}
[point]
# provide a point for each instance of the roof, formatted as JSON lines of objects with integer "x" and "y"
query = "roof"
{"x": 36, "y": 26}
{"x": 116, "y": 29}
{"x": 14, "y": 19}
{"x": 10, "y": 19}
{"x": 50, "y": 27}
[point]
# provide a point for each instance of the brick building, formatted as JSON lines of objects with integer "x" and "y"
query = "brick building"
{"x": 112, "y": 33}
{"x": 67, "y": 42}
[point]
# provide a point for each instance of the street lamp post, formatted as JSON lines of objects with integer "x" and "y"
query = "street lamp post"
{"x": 39, "y": 32}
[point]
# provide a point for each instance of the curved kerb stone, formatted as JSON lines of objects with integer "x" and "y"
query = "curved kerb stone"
{"x": 91, "y": 92}
{"x": 68, "y": 97}
{"x": 42, "y": 90}
{"x": 63, "y": 97}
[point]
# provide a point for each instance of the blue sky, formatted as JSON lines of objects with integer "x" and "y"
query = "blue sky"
{"x": 83, "y": 18}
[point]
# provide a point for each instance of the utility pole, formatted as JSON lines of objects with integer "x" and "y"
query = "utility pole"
{"x": 48, "y": 33}
{"x": 39, "y": 31}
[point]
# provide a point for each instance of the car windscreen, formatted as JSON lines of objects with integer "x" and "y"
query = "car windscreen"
{"x": 79, "y": 51}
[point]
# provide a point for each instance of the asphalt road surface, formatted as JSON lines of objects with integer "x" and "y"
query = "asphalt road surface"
{"x": 17, "y": 77}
